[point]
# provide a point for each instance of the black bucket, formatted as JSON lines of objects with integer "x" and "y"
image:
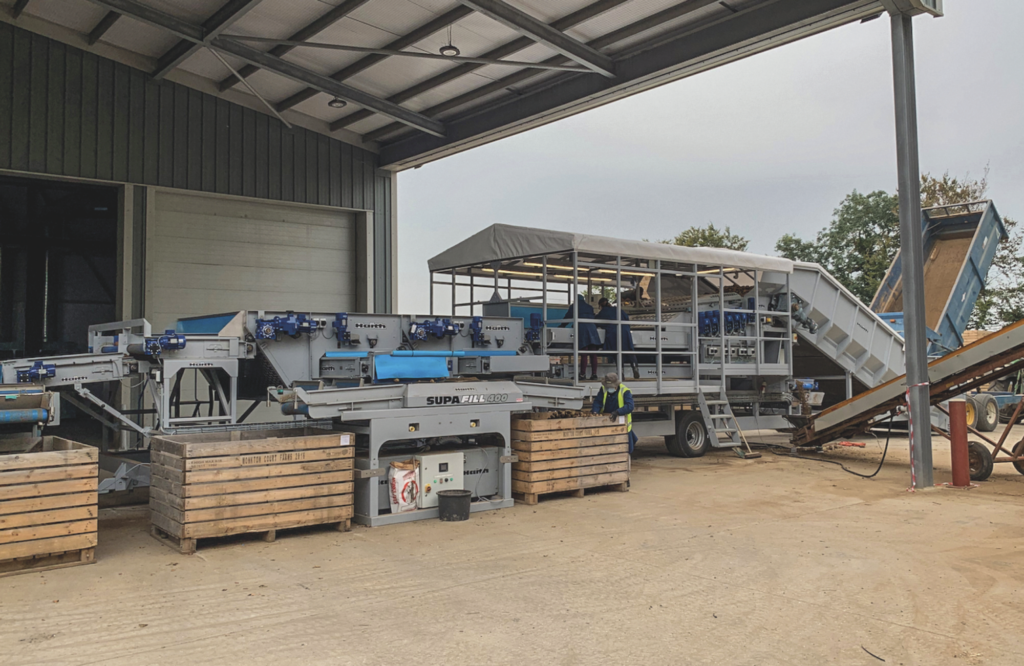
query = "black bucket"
{"x": 453, "y": 505}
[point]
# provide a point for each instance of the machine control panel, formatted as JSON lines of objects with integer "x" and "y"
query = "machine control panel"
{"x": 439, "y": 471}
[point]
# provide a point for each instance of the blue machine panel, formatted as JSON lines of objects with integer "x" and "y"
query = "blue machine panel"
{"x": 347, "y": 354}
{"x": 411, "y": 367}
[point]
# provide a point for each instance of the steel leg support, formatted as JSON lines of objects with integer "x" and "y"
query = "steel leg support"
{"x": 912, "y": 246}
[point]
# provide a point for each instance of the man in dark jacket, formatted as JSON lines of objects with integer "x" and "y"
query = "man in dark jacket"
{"x": 589, "y": 339}
{"x": 611, "y": 334}
{"x": 615, "y": 399}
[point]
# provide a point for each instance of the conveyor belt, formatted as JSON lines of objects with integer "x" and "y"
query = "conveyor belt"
{"x": 972, "y": 366}
{"x": 844, "y": 331}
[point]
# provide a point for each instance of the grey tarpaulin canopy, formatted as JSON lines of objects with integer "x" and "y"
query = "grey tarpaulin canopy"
{"x": 504, "y": 242}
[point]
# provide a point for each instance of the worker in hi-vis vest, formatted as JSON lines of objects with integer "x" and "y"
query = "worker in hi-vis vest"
{"x": 616, "y": 400}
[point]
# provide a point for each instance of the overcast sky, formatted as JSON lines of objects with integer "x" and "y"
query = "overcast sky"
{"x": 767, "y": 145}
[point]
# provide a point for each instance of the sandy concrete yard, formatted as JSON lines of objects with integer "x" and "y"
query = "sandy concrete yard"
{"x": 708, "y": 561}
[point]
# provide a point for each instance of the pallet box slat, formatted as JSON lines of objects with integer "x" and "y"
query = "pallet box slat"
{"x": 568, "y": 455}
{"x": 258, "y": 497}
{"x": 32, "y": 504}
{"x": 570, "y": 472}
{"x": 48, "y": 508}
{"x": 48, "y": 488}
{"x": 220, "y": 484}
{"x": 33, "y": 532}
{"x": 231, "y": 487}
{"x": 562, "y": 454}
{"x": 244, "y": 510}
{"x": 47, "y": 517}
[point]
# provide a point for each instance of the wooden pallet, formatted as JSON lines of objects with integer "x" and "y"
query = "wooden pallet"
{"x": 188, "y": 546}
{"x": 568, "y": 455}
{"x": 48, "y": 509}
{"x": 215, "y": 485}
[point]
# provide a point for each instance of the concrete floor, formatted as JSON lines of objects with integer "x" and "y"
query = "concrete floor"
{"x": 709, "y": 561}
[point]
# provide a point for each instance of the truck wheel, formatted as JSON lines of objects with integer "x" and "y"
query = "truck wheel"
{"x": 980, "y": 460}
{"x": 988, "y": 413}
{"x": 691, "y": 440}
{"x": 972, "y": 413}
{"x": 1017, "y": 452}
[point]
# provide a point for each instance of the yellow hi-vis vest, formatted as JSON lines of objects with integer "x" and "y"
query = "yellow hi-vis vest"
{"x": 622, "y": 403}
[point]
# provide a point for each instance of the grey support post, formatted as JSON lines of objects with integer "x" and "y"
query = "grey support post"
{"x": 912, "y": 246}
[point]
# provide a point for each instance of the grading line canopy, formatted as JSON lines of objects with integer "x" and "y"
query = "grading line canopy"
{"x": 504, "y": 242}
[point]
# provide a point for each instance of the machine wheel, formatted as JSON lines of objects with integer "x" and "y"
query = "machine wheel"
{"x": 691, "y": 439}
{"x": 988, "y": 413}
{"x": 972, "y": 413}
{"x": 1019, "y": 451}
{"x": 980, "y": 460}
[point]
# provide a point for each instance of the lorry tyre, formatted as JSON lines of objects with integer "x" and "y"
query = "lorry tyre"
{"x": 980, "y": 460}
{"x": 988, "y": 413}
{"x": 973, "y": 408}
{"x": 691, "y": 439}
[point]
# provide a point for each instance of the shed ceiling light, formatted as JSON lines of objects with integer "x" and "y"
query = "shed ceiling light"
{"x": 448, "y": 50}
{"x": 337, "y": 103}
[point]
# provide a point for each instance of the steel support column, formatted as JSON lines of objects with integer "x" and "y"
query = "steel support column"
{"x": 912, "y": 247}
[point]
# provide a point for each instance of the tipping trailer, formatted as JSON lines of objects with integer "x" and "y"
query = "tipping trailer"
{"x": 960, "y": 245}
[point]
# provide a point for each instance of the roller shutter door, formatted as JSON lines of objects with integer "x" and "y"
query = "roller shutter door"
{"x": 208, "y": 254}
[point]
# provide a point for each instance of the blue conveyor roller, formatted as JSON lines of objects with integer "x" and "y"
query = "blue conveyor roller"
{"x": 24, "y": 416}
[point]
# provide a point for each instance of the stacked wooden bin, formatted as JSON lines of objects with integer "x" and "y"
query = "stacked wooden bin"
{"x": 567, "y": 454}
{"x": 48, "y": 506}
{"x": 213, "y": 485}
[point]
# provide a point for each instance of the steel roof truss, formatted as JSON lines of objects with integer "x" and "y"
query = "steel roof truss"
{"x": 543, "y": 33}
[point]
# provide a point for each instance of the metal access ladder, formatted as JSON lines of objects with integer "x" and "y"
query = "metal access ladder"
{"x": 723, "y": 429}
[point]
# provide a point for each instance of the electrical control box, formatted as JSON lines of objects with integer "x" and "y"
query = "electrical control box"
{"x": 439, "y": 471}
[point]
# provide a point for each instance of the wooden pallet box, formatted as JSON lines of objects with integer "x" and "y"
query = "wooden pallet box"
{"x": 568, "y": 454}
{"x": 220, "y": 484}
{"x": 48, "y": 510}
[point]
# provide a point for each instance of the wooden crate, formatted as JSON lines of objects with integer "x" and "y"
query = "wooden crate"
{"x": 214, "y": 485}
{"x": 48, "y": 506}
{"x": 568, "y": 455}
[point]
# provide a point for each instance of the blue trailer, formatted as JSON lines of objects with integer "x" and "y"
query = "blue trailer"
{"x": 960, "y": 245}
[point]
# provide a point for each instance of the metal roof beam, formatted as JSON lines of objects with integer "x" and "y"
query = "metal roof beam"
{"x": 326, "y": 84}
{"x": 417, "y": 35}
{"x": 222, "y": 19}
{"x": 18, "y": 8}
{"x": 311, "y": 30}
{"x": 155, "y": 18}
{"x": 106, "y": 23}
{"x": 635, "y": 28}
{"x": 568, "y": 21}
{"x": 410, "y": 54}
{"x": 543, "y": 33}
{"x": 271, "y": 63}
{"x": 708, "y": 44}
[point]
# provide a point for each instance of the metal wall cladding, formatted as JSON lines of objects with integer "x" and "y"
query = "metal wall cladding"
{"x": 67, "y": 112}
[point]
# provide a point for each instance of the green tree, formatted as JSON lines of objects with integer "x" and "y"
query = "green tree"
{"x": 710, "y": 236}
{"x": 857, "y": 246}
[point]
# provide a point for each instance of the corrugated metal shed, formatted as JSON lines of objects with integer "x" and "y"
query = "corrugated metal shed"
{"x": 66, "y": 112}
{"x": 384, "y": 57}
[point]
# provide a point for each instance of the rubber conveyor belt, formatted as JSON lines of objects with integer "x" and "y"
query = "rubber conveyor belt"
{"x": 976, "y": 364}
